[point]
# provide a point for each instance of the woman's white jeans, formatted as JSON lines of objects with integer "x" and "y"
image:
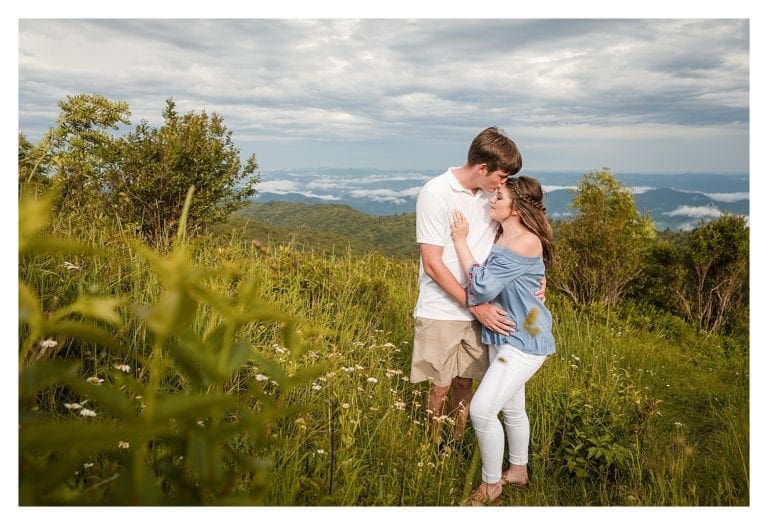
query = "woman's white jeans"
{"x": 503, "y": 390}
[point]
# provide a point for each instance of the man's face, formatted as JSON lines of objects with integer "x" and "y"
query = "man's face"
{"x": 493, "y": 181}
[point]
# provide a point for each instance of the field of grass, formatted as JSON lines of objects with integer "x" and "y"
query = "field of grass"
{"x": 231, "y": 372}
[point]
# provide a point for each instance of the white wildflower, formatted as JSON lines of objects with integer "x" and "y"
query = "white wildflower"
{"x": 123, "y": 368}
{"x": 399, "y": 405}
{"x": 261, "y": 377}
{"x": 373, "y": 380}
{"x": 345, "y": 405}
{"x": 95, "y": 380}
{"x": 123, "y": 444}
{"x": 48, "y": 343}
{"x": 320, "y": 451}
{"x": 87, "y": 412}
{"x": 73, "y": 406}
{"x": 316, "y": 387}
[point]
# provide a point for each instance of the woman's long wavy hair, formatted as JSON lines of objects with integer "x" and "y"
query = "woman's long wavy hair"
{"x": 526, "y": 196}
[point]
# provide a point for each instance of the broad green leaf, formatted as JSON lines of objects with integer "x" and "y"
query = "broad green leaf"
{"x": 58, "y": 246}
{"x": 198, "y": 361}
{"x": 137, "y": 485}
{"x": 190, "y": 406}
{"x": 100, "y": 308}
{"x": 262, "y": 312}
{"x": 41, "y": 475}
{"x": 34, "y": 216}
{"x": 238, "y": 355}
{"x": 91, "y": 435}
{"x": 214, "y": 339}
{"x": 292, "y": 340}
{"x": 221, "y": 304}
{"x": 198, "y": 455}
{"x": 87, "y": 332}
{"x": 39, "y": 376}
{"x": 30, "y": 310}
{"x": 174, "y": 310}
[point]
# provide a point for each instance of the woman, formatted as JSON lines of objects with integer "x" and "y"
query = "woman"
{"x": 508, "y": 278}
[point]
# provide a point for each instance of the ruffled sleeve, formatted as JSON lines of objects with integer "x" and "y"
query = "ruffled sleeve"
{"x": 485, "y": 282}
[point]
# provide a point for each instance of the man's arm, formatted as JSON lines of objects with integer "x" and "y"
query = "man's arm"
{"x": 432, "y": 260}
{"x": 490, "y": 316}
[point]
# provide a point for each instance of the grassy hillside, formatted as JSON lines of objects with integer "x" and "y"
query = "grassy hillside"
{"x": 229, "y": 373}
{"x": 329, "y": 227}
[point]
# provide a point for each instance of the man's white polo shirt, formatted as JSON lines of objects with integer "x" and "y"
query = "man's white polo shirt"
{"x": 436, "y": 200}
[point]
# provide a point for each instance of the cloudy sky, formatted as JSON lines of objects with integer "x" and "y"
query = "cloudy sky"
{"x": 634, "y": 95}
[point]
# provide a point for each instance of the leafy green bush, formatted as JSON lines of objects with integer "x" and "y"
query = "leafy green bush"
{"x": 600, "y": 251}
{"x": 138, "y": 180}
{"x": 704, "y": 279}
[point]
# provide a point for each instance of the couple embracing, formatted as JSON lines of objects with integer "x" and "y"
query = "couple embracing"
{"x": 484, "y": 242}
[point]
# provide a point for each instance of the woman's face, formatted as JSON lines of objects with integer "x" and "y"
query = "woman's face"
{"x": 501, "y": 204}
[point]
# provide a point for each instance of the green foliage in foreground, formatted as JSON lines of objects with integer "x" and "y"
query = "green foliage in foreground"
{"x": 636, "y": 408}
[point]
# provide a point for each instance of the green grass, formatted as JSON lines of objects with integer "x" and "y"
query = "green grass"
{"x": 634, "y": 409}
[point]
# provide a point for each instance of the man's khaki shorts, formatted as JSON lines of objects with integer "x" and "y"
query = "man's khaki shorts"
{"x": 443, "y": 350}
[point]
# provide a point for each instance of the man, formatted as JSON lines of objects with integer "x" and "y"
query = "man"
{"x": 447, "y": 350}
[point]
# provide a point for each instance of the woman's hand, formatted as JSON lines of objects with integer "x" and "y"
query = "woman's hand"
{"x": 459, "y": 226}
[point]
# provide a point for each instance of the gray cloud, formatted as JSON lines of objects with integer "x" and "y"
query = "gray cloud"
{"x": 404, "y": 93}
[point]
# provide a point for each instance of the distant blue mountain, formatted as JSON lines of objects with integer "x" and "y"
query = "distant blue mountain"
{"x": 675, "y": 201}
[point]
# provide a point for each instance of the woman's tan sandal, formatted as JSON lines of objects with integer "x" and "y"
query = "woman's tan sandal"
{"x": 522, "y": 482}
{"x": 480, "y": 498}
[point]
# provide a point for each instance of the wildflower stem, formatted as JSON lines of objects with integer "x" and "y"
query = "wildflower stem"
{"x": 333, "y": 446}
